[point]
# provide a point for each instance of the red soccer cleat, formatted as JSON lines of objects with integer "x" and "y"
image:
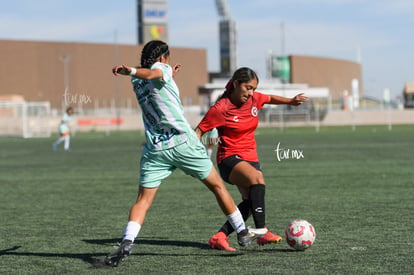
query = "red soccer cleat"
{"x": 269, "y": 238}
{"x": 221, "y": 242}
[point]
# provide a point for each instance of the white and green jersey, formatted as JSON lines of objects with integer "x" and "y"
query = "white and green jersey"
{"x": 64, "y": 124}
{"x": 65, "y": 118}
{"x": 162, "y": 111}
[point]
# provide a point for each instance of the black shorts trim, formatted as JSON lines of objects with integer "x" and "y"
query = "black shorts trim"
{"x": 226, "y": 166}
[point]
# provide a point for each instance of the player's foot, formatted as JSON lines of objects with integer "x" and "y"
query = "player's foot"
{"x": 269, "y": 238}
{"x": 248, "y": 235}
{"x": 124, "y": 250}
{"x": 220, "y": 241}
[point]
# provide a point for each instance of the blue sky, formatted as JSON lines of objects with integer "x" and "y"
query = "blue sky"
{"x": 379, "y": 32}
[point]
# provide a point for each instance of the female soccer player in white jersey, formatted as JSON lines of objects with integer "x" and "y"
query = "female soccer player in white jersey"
{"x": 64, "y": 131}
{"x": 170, "y": 143}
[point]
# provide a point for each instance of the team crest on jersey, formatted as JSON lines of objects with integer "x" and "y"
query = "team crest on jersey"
{"x": 254, "y": 111}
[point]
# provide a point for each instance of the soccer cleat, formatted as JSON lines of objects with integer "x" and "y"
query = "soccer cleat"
{"x": 268, "y": 238}
{"x": 220, "y": 241}
{"x": 248, "y": 235}
{"x": 124, "y": 250}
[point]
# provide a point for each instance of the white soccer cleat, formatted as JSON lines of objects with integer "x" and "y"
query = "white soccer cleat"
{"x": 248, "y": 235}
{"x": 260, "y": 232}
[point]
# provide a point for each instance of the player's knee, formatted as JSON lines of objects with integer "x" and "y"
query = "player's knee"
{"x": 257, "y": 178}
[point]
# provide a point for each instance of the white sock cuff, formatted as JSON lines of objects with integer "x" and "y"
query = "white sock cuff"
{"x": 236, "y": 221}
{"x": 131, "y": 231}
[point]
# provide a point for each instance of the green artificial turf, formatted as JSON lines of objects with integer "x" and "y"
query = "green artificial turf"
{"x": 61, "y": 213}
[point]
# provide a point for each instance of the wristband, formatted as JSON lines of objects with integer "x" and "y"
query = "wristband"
{"x": 133, "y": 72}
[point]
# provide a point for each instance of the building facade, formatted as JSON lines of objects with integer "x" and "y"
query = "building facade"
{"x": 339, "y": 76}
{"x": 80, "y": 74}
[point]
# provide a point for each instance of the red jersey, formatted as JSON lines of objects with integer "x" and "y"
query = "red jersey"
{"x": 236, "y": 126}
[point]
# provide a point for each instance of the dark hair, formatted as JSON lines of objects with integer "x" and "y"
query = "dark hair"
{"x": 241, "y": 75}
{"x": 152, "y": 51}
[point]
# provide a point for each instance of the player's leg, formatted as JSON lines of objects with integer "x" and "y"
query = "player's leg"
{"x": 215, "y": 185}
{"x": 234, "y": 217}
{"x": 139, "y": 209}
{"x": 191, "y": 157}
{"x": 66, "y": 143}
{"x": 244, "y": 208}
{"x": 153, "y": 169}
{"x": 251, "y": 184}
{"x": 136, "y": 219}
{"x": 248, "y": 174}
{"x": 57, "y": 142}
{"x": 220, "y": 240}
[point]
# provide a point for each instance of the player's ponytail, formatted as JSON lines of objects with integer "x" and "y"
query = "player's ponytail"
{"x": 152, "y": 51}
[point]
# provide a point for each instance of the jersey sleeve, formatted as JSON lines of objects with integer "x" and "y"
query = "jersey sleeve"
{"x": 66, "y": 118}
{"x": 166, "y": 69}
{"x": 262, "y": 99}
{"x": 212, "y": 119}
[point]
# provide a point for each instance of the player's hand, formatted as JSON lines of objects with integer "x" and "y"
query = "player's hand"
{"x": 298, "y": 99}
{"x": 121, "y": 69}
{"x": 176, "y": 68}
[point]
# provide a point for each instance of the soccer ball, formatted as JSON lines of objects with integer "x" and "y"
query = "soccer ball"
{"x": 300, "y": 234}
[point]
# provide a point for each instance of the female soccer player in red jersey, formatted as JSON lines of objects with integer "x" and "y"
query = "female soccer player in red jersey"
{"x": 235, "y": 115}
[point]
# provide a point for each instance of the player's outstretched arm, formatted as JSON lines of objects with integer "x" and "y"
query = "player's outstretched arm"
{"x": 142, "y": 73}
{"x": 295, "y": 101}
